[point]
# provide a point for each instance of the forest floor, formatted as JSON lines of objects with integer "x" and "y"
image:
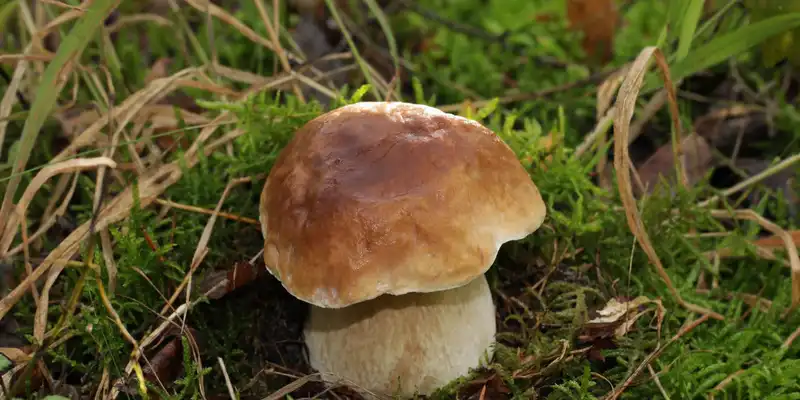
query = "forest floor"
{"x": 135, "y": 139}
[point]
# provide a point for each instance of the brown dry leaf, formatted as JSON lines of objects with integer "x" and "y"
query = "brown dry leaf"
{"x": 165, "y": 365}
{"x": 614, "y": 321}
{"x": 598, "y": 20}
{"x": 618, "y": 317}
{"x": 698, "y": 159}
{"x": 219, "y": 283}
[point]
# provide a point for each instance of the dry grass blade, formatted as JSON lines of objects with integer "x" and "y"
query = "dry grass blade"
{"x": 652, "y": 356}
{"x": 206, "y": 6}
{"x": 118, "y": 208}
{"x": 155, "y": 334}
{"x": 624, "y": 109}
{"x": 6, "y": 379}
{"x": 753, "y": 179}
{"x": 126, "y": 111}
{"x": 108, "y": 258}
{"x": 52, "y": 218}
{"x": 605, "y": 95}
{"x": 15, "y": 58}
{"x": 78, "y": 164}
{"x": 200, "y": 210}
{"x": 791, "y": 247}
{"x": 150, "y": 189}
{"x": 231, "y": 391}
{"x": 202, "y": 245}
{"x": 137, "y": 18}
{"x": 9, "y": 98}
{"x": 291, "y": 387}
{"x": 777, "y": 240}
{"x": 273, "y": 35}
{"x": 50, "y": 86}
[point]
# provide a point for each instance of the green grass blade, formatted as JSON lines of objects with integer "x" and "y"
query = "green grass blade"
{"x": 675, "y": 17}
{"x": 5, "y": 13}
{"x": 47, "y": 92}
{"x": 727, "y": 46}
{"x": 359, "y": 60}
{"x": 734, "y": 43}
{"x": 688, "y": 27}
{"x": 714, "y": 19}
{"x": 387, "y": 30}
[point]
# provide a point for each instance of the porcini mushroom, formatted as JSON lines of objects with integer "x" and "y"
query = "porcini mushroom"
{"x": 384, "y": 216}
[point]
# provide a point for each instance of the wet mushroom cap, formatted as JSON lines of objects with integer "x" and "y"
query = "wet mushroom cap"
{"x": 389, "y": 197}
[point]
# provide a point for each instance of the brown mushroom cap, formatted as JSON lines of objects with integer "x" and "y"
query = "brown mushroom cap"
{"x": 375, "y": 198}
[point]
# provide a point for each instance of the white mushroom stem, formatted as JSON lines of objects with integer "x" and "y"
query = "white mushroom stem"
{"x": 402, "y": 345}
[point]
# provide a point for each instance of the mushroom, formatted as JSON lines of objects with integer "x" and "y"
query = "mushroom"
{"x": 384, "y": 216}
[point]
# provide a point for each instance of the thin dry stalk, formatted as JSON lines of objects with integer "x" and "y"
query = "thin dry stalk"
{"x": 725, "y": 382}
{"x": 776, "y": 241}
{"x": 63, "y": 5}
{"x": 239, "y": 75}
{"x": 150, "y": 186}
{"x": 15, "y": 58}
{"x": 654, "y": 355}
{"x": 594, "y": 136}
{"x": 314, "y": 84}
{"x": 52, "y": 218}
{"x": 228, "y": 383}
{"x": 108, "y": 260}
{"x": 788, "y": 242}
{"x": 789, "y": 340}
{"x": 10, "y": 98}
{"x": 206, "y": 211}
{"x": 102, "y": 387}
{"x": 191, "y": 160}
{"x": 657, "y": 381}
{"x": 138, "y": 18}
{"x": 78, "y": 164}
{"x": 753, "y": 180}
{"x": 59, "y": 20}
{"x": 625, "y": 106}
{"x": 206, "y": 6}
{"x": 154, "y": 335}
{"x": 279, "y": 50}
{"x": 202, "y": 245}
{"x": 126, "y": 111}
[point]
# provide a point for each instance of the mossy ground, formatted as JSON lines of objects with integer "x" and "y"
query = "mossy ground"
{"x": 546, "y": 287}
